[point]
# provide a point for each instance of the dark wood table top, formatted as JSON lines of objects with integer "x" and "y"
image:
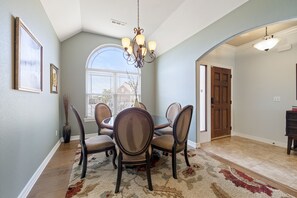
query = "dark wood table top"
{"x": 159, "y": 122}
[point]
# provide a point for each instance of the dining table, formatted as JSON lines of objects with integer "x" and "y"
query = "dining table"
{"x": 159, "y": 122}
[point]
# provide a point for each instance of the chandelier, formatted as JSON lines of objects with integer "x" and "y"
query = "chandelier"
{"x": 136, "y": 52}
{"x": 267, "y": 43}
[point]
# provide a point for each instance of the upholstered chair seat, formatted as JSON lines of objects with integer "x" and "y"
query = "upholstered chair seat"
{"x": 166, "y": 142}
{"x": 105, "y": 131}
{"x": 99, "y": 142}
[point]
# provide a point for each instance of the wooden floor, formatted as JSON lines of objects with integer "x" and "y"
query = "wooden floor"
{"x": 266, "y": 162}
{"x": 53, "y": 182}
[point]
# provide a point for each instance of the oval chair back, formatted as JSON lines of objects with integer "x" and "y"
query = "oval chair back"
{"x": 133, "y": 130}
{"x": 133, "y": 133}
{"x": 102, "y": 111}
{"x": 182, "y": 124}
{"x": 172, "y": 111}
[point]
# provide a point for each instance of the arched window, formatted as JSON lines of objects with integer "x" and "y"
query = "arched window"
{"x": 109, "y": 79}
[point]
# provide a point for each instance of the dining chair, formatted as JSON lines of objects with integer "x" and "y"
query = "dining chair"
{"x": 178, "y": 141}
{"x": 142, "y": 106}
{"x": 103, "y": 111}
{"x": 91, "y": 145}
{"x": 171, "y": 113}
{"x": 133, "y": 132}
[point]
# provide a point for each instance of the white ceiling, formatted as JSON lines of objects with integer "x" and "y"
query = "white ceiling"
{"x": 259, "y": 33}
{"x": 168, "y": 22}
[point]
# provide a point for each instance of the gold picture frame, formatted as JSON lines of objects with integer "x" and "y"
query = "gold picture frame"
{"x": 54, "y": 72}
{"x": 28, "y": 59}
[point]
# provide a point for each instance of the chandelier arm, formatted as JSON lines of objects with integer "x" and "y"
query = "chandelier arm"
{"x": 129, "y": 58}
{"x": 152, "y": 58}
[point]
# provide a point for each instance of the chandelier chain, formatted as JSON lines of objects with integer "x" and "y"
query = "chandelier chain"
{"x": 266, "y": 31}
{"x": 138, "y": 13}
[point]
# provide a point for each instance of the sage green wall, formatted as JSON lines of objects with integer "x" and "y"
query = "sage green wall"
{"x": 28, "y": 121}
{"x": 74, "y": 55}
{"x": 259, "y": 77}
{"x": 175, "y": 70}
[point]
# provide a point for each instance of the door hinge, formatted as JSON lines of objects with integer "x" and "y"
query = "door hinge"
{"x": 230, "y": 127}
{"x": 230, "y": 101}
{"x": 230, "y": 75}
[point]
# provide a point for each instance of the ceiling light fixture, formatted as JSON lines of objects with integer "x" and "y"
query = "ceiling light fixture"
{"x": 267, "y": 43}
{"x": 136, "y": 52}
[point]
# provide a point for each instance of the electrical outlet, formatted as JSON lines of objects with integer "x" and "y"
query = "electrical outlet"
{"x": 276, "y": 99}
{"x": 56, "y": 132}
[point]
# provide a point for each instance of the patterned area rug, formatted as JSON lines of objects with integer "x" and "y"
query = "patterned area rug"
{"x": 206, "y": 177}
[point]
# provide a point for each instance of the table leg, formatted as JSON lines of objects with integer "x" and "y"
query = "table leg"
{"x": 289, "y": 145}
{"x": 295, "y": 143}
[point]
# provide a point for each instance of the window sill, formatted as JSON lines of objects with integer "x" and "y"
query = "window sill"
{"x": 89, "y": 119}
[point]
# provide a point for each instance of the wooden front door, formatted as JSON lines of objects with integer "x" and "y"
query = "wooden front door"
{"x": 220, "y": 102}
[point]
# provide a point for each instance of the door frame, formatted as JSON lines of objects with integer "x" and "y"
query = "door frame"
{"x": 206, "y": 136}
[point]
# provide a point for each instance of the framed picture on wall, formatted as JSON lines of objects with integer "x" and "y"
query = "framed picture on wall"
{"x": 54, "y": 78}
{"x": 28, "y": 59}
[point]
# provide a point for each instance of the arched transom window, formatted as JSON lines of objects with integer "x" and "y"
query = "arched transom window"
{"x": 109, "y": 79}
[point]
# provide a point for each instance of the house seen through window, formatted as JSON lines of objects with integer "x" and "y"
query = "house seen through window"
{"x": 110, "y": 80}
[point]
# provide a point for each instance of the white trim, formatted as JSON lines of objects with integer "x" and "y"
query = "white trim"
{"x": 264, "y": 140}
{"x": 26, "y": 190}
{"x": 193, "y": 144}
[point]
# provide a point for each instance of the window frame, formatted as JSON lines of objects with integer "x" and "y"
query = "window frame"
{"x": 205, "y": 97}
{"x": 109, "y": 72}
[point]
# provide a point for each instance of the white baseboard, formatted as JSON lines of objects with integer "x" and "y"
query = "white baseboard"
{"x": 76, "y": 137}
{"x": 26, "y": 190}
{"x": 193, "y": 144}
{"x": 264, "y": 140}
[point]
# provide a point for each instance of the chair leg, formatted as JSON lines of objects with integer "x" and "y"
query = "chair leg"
{"x": 81, "y": 157}
{"x": 186, "y": 155}
{"x": 114, "y": 157}
{"x": 119, "y": 177}
{"x": 148, "y": 172}
{"x": 85, "y": 162}
{"x": 174, "y": 163}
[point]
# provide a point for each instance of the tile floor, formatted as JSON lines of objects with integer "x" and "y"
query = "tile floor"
{"x": 267, "y": 160}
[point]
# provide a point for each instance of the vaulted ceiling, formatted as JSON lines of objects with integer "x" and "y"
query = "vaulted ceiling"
{"x": 168, "y": 22}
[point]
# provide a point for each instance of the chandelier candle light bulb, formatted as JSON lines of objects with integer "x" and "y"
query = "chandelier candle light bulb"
{"x": 125, "y": 43}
